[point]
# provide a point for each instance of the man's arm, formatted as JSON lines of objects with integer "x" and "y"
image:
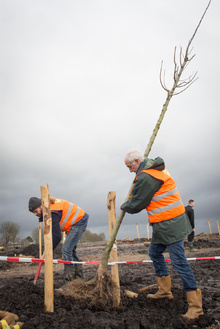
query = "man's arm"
{"x": 144, "y": 189}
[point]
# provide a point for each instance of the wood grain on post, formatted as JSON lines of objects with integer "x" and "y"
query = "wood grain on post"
{"x": 48, "y": 250}
{"x": 40, "y": 237}
{"x": 113, "y": 252}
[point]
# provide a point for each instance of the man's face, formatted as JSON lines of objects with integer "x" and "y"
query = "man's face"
{"x": 133, "y": 167}
{"x": 37, "y": 212}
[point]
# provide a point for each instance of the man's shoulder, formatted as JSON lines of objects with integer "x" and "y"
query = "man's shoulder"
{"x": 56, "y": 214}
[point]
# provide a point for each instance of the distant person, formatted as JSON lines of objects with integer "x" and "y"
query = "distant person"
{"x": 66, "y": 217}
{"x": 190, "y": 213}
{"x": 155, "y": 190}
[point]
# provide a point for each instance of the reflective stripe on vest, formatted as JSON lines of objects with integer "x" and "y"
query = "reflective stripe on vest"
{"x": 165, "y": 208}
{"x": 164, "y": 195}
{"x": 68, "y": 215}
{"x": 71, "y": 213}
{"x": 166, "y": 203}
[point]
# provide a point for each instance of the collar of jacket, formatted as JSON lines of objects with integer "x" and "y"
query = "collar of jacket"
{"x": 140, "y": 166}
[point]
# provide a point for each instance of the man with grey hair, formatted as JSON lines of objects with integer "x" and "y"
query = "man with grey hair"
{"x": 133, "y": 155}
{"x": 155, "y": 190}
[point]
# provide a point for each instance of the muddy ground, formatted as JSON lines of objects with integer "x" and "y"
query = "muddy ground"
{"x": 19, "y": 295}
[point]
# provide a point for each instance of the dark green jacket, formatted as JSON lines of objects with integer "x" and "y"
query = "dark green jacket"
{"x": 165, "y": 232}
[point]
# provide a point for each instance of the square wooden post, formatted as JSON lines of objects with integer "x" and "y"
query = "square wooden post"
{"x": 48, "y": 250}
{"x": 113, "y": 253}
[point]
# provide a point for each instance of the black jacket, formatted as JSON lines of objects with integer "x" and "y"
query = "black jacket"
{"x": 190, "y": 214}
{"x": 56, "y": 232}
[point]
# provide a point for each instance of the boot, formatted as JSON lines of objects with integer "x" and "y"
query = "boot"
{"x": 69, "y": 275}
{"x": 164, "y": 288}
{"x": 191, "y": 248}
{"x": 78, "y": 271}
{"x": 194, "y": 300}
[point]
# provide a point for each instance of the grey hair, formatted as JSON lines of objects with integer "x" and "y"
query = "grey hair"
{"x": 133, "y": 155}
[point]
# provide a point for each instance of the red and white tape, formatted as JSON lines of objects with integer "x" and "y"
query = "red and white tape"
{"x": 57, "y": 261}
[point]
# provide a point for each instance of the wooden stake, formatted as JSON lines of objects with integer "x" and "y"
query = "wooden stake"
{"x": 48, "y": 251}
{"x": 63, "y": 237}
{"x": 148, "y": 231}
{"x": 113, "y": 253}
{"x": 130, "y": 294}
{"x": 40, "y": 237}
{"x": 137, "y": 230}
{"x": 209, "y": 227}
{"x": 148, "y": 288}
{"x": 127, "y": 240}
{"x": 218, "y": 226}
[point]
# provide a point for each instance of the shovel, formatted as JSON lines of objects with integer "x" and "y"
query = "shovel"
{"x": 37, "y": 273}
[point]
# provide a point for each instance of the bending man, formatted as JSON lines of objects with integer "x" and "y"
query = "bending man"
{"x": 69, "y": 218}
{"x": 155, "y": 190}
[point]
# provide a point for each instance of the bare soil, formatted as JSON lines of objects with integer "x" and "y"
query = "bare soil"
{"x": 19, "y": 295}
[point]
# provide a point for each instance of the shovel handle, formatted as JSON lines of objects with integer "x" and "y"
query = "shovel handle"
{"x": 37, "y": 273}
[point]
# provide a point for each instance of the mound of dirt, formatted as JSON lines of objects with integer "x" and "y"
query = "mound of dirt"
{"x": 19, "y": 295}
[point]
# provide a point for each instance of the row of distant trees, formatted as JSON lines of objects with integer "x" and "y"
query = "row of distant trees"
{"x": 9, "y": 232}
{"x": 88, "y": 236}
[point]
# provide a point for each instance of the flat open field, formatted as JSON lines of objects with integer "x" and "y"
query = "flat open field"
{"x": 19, "y": 295}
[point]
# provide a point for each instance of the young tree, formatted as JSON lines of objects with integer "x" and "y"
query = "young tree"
{"x": 99, "y": 289}
{"x": 15, "y": 228}
{"x": 178, "y": 87}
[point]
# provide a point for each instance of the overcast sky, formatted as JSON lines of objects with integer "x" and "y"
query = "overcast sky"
{"x": 79, "y": 87}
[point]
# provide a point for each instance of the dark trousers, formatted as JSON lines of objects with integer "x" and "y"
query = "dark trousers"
{"x": 191, "y": 236}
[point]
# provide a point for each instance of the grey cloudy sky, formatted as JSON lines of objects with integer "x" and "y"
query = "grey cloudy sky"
{"x": 79, "y": 85}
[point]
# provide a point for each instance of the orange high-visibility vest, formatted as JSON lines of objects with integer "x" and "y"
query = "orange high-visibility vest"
{"x": 71, "y": 213}
{"x": 166, "y": 203}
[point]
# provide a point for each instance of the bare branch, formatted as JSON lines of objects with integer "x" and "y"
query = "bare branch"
{"x": 184, "y": 60}
{"x": 190, "y": 41}
{"x": 162, "y": 82}
{"x": 189, "y": 84}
